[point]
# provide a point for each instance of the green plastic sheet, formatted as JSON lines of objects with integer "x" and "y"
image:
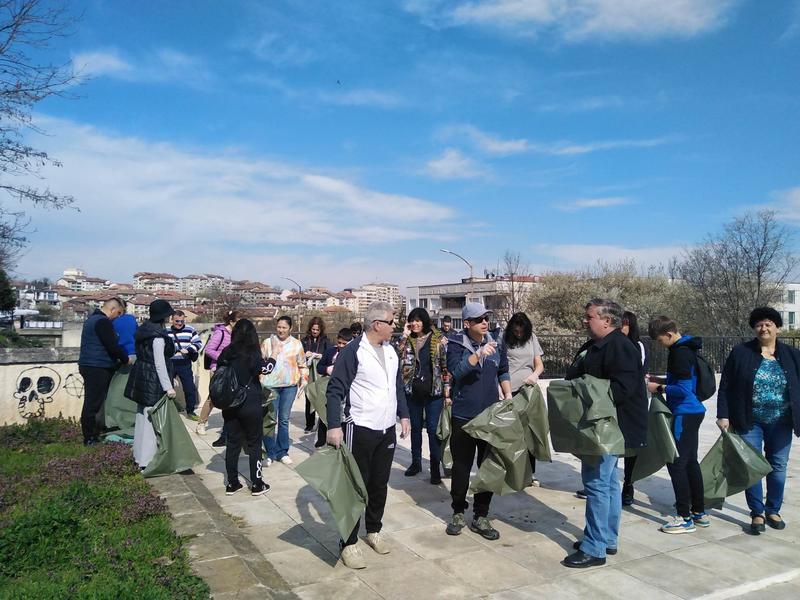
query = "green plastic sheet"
{"x": 506, "y": 467}
{"x": 443, "y": 431}
{"x": 120, "y": 412}
{"x": 583, "y": 419}
{"x": 530, "y": 406}
{"x": 333, "y": 472}
{"x": 731, "y": 466}
{"x": 315, "y": 392}
{"x": 661, "y": 448}
{"x": 268, "y": 404}
{"x": 175, "y": 451}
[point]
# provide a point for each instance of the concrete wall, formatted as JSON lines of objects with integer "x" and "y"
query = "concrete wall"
{"x": 39, "y": 382}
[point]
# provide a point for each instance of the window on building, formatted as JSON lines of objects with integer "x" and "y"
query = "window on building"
{"x": 413, "y": 303}
{"x": 453, "y": 302}
{"x": 791, "y": 319}
{"x": 457, "y": 324}
{"x": 790, "y": 297}
{"x": 423, "y": 303}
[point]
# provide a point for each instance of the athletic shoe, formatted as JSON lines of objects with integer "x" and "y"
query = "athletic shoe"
{"x": 456, "y": 524}
{"x": 220, "y": 442}
{"x": 352, "y": 557}
{"x": 193, "y": 416}
{"x": 679, "y": 524}
{"x": 232, "y": 488}
{"x": 627, "y": 495}
{"x": 483, "y": 527}
{"x": 413, "y": 469}
{"x": 377, "y": 543}
{"x": 267, "y": 462}
{"x": 287, "y": 461}
{"x": 200, "y": 429}
{"x": 701, "y": 519}
{"x": 259, "y": 488}
{"x": 536, "y": 483}
{"x": 581, "y": 494}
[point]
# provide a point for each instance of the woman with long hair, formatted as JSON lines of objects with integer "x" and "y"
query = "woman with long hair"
{"x": 315, "y": 344}
{"x": 216, "y": 344}
{"x": 630, "y": 327}
{"x": 245, "y": 422}
{"x": 423, "y": 359}
{"x": 525, "y": 363}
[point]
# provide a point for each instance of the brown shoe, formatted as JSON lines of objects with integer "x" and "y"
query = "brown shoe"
{"x": 757, "y": 524}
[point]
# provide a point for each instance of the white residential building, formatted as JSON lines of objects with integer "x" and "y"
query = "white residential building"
{"x": 790, "y": 307}
{"x": 373, "y": 292}
{"x": 77, "y": 280}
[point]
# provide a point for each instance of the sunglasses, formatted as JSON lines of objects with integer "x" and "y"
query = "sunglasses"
{"x": 382, "y": 321}
{"x": 479, "y": 319}
{"x": 178, "y": 321}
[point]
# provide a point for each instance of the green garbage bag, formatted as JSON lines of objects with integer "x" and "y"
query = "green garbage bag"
{"x": 333, "y": 472}
{"x": 176, "y": 451}
{"x": 531, "y": 408}
{"x": 443, "y": 430}
{"x": 120, "y": 412}
{"x": 315, "y": 392}
{"x": 268, "y": 404}
{"x": 661, "y": 448}
{"x": 506, "y": 468}
{"x": 582, "y": 417}
{"x": 312, "y": 370}
{"x": 731, "y": 466}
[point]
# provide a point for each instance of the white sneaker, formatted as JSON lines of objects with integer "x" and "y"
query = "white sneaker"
{"x": 352, "y": 557}
{"x": 200, "y": 429}
{"x": 286, "y": 460}
{"x": 377, "y": 543}
{"x": 267, "y": 462}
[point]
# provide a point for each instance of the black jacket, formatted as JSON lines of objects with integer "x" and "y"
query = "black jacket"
{"x": 143, "y": 385}
{"x": 618, "y": 359}
{"x": 735, "y": 394}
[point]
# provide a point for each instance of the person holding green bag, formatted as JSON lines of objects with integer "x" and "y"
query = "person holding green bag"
{"x": 759, "y": 398}
{"x": 688, "y": 412}
{"x": 610, "y": 355}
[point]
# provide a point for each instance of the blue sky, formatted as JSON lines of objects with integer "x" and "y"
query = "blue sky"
{"x": 339, "y": 143}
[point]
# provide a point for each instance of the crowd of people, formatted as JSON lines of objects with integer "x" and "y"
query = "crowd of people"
{"x": 376, "y": 378}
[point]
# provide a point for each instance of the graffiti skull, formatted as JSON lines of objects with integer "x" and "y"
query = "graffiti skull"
{"x": 35, "y": 388}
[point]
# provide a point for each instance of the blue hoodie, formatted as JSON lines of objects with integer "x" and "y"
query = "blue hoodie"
{"x": 474, "y": 388}
{"x": 682, "y": 380}
{"x": 125, "y": 326}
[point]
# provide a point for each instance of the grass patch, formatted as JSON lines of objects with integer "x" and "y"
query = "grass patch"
{"x": 80, "y": 522}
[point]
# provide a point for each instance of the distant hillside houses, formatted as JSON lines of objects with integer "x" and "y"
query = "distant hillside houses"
{"x": 76, "y": 294}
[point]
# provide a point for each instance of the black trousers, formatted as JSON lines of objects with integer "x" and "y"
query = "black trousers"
{"x": 463, "y": 448}
{"x": 374, "y": 452}
{"x": 244, "y": 424}
{"x": 183, "y": 370}
{"x": 310, "y": 415}
{"x": 630, "y": 463}
{"x": 687, "y": 480}
{"x": 95, "y": 387}
{"x": 322, "y": 432}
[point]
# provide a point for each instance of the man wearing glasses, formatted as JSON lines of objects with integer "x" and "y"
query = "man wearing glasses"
{"x": 476, "y": 366}
{"x": 187, "y": 349}
{"x": 365, "y": 396}
{"x": 608, "y": 354}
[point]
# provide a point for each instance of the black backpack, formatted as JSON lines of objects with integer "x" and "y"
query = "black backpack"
{"x": 225, "y": 390}
{"x": 706, "y": 378}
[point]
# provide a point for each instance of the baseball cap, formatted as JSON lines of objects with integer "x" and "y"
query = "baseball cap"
{"x": 473, "y": 310}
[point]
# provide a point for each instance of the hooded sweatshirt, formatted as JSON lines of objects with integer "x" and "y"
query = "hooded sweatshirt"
{"x": 682, "y": 380}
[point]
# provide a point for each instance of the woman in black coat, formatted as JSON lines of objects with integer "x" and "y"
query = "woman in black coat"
{"x": 759, "y": 399}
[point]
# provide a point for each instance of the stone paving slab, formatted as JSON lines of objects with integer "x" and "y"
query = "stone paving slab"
{"x": 289, "y": 536}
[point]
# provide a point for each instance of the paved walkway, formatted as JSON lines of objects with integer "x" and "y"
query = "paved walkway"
{"x": 279, "y": 545}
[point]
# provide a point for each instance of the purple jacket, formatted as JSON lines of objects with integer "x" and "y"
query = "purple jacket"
{"x": 219, "y": 340}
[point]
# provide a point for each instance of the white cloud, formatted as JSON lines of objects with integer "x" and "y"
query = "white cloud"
{"x": 585, "y": 203}
{"x": 274, "y": 48}
{"x": 153, "y": 205}
{"x": 452, "y": 164}
{"x": 495, "y": 145}
{"x": 787, "y": 204}
{"x": 580, "y": 255}
{"x": 158, "y": 66}
{"x": 362, "y": 97}
{"x": 100, "y": 62}
{"x": 591, "y": 103}
{"x": 580, "y": 20}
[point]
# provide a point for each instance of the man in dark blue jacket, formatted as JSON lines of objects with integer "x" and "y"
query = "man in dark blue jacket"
{"x": 100, "y": 355}
{"x": 476, "y": 365}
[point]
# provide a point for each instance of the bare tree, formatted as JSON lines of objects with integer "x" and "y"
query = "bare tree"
{"x": 517, "y": 287}
{"x": 736, "y": 270}
{"x": 26, "y": 27}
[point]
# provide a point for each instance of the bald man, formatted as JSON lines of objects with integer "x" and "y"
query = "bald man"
{"x": 100, "y": 356}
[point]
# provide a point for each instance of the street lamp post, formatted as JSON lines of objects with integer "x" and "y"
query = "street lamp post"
{"x": 469, "y": 264}
{"x": 300, "y": 291}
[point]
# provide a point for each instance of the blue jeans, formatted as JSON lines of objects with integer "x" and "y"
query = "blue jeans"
{"x": 278, "y": 447}
{"x": 429, "y": 413}
{"x": 603, "y": 504}
{"x": 776, "y": 440}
